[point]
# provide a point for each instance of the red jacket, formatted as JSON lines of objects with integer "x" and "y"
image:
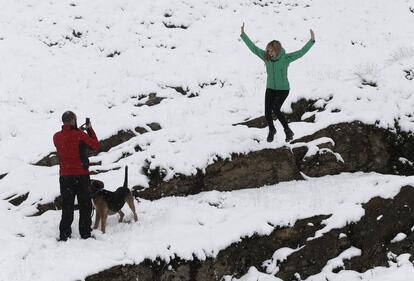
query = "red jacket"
{"x": 67, "y": 144}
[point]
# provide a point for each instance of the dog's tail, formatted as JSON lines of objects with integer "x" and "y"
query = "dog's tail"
{"x": 126, "y": 177}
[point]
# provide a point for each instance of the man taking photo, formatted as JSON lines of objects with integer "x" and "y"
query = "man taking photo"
{"x": 71, "y": 144}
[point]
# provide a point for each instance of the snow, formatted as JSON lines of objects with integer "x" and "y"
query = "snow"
{"x": 405, "y": 161}
{"x": 399, "y": 237}
{"x": 346, "y": 212}
{"x": 339, "y": 260}
{"x": 278, "y": 257}
{"x": 77, "y": 74}
{"x": 401, "y": 270}
{"x": 54, "y": 57}
{"x": 253, "y": 275}
{"x": 200, "y": 225}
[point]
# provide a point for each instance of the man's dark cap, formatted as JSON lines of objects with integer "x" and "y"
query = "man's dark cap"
{"x": 68, "y": 116}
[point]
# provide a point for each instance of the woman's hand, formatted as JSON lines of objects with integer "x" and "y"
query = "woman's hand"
{"x": 242, "y": 28}
{"x": 312, "y": 34}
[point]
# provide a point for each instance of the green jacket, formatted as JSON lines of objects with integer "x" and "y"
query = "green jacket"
{"x": 277, "y": 69}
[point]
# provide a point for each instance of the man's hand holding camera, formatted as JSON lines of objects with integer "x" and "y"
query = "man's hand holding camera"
{"x": 87, "y": 125}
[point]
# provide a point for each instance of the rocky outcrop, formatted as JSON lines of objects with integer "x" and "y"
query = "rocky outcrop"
{"x": 104, "y": 145}
{"x": 383, "y": 220}
{"x": 345, "y": 147}
{"x": 16, "y": 200}
{"x": 242, "y": 171}
{"x": 150, "y": 100}
{"x": 55, "y": 205}
{"x": 299, "y": 108}
{"x": 117, "y": 139}
{"x": 362, "y": 147}
{"x": 356, "y": 147}
{"x": 234, "y": 260}
{"x": 48, "y": 161}
{"x": 371, "y": 235}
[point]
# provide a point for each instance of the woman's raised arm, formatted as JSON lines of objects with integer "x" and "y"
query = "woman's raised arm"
{"x": 255, "y": 50}
{"x": 298, "y": 54}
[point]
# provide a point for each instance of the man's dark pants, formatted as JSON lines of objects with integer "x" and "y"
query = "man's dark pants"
{"x": 71, "y": 186}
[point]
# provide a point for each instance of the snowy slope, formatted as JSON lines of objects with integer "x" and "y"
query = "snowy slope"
{"x": 201, "y": 225}
{"x": 47, "y": 69}
{"x": 54, "y": 57}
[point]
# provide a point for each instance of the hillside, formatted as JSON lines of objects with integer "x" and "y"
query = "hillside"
{"x": 176, "y": 95}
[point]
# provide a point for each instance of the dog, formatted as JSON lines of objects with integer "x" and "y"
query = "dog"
{"x": 111, "y": 202}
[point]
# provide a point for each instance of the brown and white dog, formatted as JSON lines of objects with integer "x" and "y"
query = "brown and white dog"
{"x": 111, "y": 202}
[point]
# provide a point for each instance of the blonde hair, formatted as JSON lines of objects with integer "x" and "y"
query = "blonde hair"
{"x": 275, "y": 45}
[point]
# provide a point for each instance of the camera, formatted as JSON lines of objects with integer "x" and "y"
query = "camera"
{"x": 87, "y": 123}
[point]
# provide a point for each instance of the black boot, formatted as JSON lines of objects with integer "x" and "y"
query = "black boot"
{"x": 271, "y": 135}
{"x": 63, "y": 238}
{"x": 289, "y": 135}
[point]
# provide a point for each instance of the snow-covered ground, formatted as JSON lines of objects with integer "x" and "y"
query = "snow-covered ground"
{"x": 54, "y": 57}
{"x": 401, "y": 270}
{"x": 202, "y": 225}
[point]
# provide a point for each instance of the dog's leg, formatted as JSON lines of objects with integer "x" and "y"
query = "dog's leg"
{"x": 97, "y": 219}
{"x": 121, "y": 215}
{"x": 130, "y": 201}
{"x": 104, "y": 217}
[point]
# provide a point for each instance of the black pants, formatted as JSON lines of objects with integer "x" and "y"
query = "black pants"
{"x": 71, "y": 186}
{"x": 273, "y": 102}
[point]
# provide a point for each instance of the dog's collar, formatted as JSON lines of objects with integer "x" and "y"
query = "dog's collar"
{"x": 93, "y": 195}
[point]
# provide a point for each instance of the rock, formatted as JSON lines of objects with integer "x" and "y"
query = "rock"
{"x": 362, "y": 147}
{"x": 125, "y": 273}
{"x": 120, "y": 137}
{"x": 298, "y": 109}
{"x": 311, "y": 260}
{"x": 255, "y": 169}
{"x": 17, "y": 200}
{"x": 104, "y": 145}
{"x": 180, "y": 89}
{"x": 321, "y": 164}
{"x": 55, "y": 205}
{"x": 180, "y": 185}
{"x": 3, "y": 175}
{"x": 154, "y": 126}
{"x": 374, "y": 236}
{"x": 49, "y": 160}
{"x": 243, "y": 171}
{"x": 236, "y": 259}
{"x": 259, "y": 122}
{"x": 301, "y": 107}
{"x": 151, "y": 101}
{"x": 141, "y": 130}
{"x": 371, "y": 235}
